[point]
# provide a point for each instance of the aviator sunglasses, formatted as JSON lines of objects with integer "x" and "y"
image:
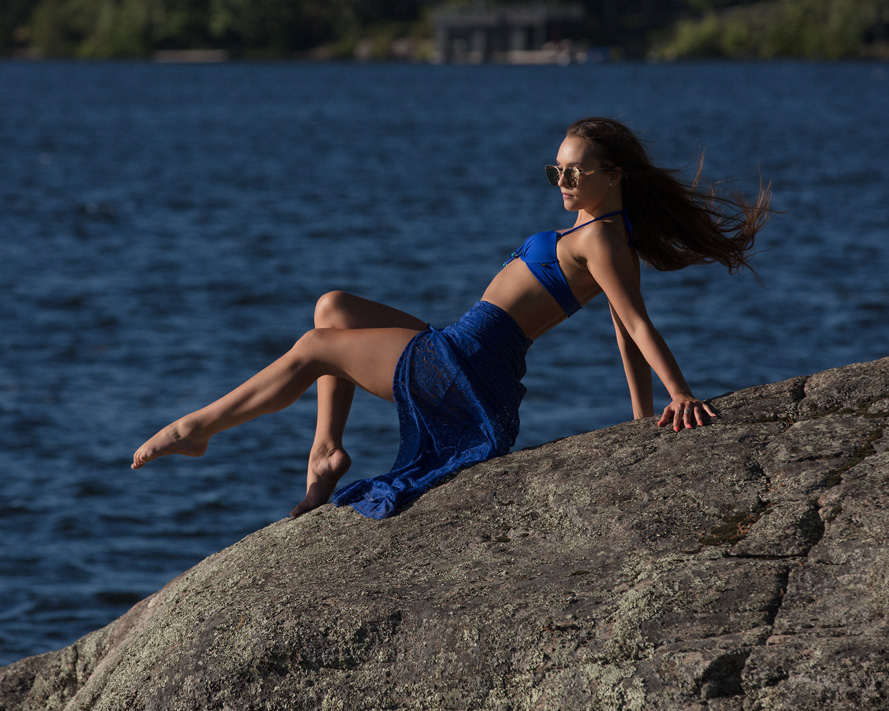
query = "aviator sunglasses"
{"x": 572, "y": 175}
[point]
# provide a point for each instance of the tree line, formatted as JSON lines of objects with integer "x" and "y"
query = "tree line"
{"x": 100, "y": 29}
{"x": 663, "y": 29}
{"x": 806, "y": 29}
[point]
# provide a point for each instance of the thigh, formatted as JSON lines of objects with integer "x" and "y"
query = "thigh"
{"x": 339, "y": 309}
{"x": 365, "y": 356}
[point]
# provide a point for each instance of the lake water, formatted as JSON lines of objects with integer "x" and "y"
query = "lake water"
{"x": 166, "y": 230}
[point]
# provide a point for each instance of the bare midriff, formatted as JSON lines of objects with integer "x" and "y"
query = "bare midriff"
{"x": 518, "y": 293}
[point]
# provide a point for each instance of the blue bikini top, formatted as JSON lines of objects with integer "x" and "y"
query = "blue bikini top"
{"x": 539, "y": 253}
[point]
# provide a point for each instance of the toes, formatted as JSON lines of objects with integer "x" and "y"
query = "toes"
{"x": 301, "y": 509}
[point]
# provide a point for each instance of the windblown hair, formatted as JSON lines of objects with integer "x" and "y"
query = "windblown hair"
{"x": 675, "y": 224}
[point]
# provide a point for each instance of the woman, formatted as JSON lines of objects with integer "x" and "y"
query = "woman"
{"x": 458, "y": 390}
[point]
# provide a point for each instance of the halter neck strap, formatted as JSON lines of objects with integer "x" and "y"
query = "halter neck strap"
{"x": 602, "y": 217}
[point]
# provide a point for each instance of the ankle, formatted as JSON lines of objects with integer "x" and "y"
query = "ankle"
{"x": 328, "y": 463}
{"x": 323, "y": 450}
{"x": 192, "y": 428}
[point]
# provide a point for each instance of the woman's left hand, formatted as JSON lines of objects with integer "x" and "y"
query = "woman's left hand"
{"x": 685, "y": 412}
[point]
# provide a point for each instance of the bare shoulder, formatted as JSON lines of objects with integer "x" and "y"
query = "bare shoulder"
{"x": 600, "y": 240}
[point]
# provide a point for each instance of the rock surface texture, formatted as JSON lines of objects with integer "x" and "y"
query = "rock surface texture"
{"x": 742, "y": 565}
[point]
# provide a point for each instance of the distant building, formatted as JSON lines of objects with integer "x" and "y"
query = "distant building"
{"x": 524, "y": 34}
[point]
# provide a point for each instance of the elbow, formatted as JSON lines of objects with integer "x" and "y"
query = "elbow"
{"x": 641, "y": 329}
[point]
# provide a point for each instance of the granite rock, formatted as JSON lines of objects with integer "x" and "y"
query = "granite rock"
{"x": 743, "y": 565}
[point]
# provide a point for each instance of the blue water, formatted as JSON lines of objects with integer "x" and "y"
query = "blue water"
{"x": 166, "y": 230}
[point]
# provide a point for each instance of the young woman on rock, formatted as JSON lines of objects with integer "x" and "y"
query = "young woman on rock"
{"x": 457, "y": 390}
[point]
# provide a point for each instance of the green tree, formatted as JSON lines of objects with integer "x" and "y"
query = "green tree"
{"x": 811, "y": 29}
{"x": 14, "y": 15}
{"x": 280, "y": 28}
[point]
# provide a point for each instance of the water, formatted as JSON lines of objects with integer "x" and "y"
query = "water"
{"x": 166, "y": 230}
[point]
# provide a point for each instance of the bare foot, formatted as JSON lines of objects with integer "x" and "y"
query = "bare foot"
{"x": 325, "y": 470}
{"x": 172, "y": 439}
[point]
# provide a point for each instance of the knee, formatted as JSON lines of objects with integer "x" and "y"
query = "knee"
{"x": 310, "y": 345}
{"x": 331, "y": 310}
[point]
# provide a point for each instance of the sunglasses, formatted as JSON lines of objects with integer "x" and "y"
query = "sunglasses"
{"x": 572, "y": 175}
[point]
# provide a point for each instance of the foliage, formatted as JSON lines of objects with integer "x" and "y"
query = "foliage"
{"x": 809, "y": 29}
{"x": 110, "y": 28}
{"x": 13, "y": 16}
{"x": 284, "y": 28}
{"x": 135, "y": 28}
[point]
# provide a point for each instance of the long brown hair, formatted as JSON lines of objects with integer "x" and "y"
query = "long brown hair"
{"x": 675, "y": 224}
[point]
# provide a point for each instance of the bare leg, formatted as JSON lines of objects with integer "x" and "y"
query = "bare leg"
{"x": 365, "y": 357}
{"x": 328, "y": 459}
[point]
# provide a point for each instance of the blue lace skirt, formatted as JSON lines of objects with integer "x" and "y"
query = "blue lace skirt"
{"x": 458, "y": 392}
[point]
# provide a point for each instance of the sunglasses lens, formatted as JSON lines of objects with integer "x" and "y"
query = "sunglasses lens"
{"x": 572, "y": 175}
{"x": 553, "y": 174}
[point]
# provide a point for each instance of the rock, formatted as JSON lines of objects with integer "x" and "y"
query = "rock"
{"x": 742, "y": 565}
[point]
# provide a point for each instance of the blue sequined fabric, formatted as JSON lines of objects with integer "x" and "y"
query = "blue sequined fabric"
{"x": 458, "y": 392}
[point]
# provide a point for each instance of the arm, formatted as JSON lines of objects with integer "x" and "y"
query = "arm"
{"x": 636, "y": 369}
{"x": 613, "y": 267}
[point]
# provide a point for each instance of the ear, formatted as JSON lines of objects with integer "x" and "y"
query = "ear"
{"x": 615, "y": 175}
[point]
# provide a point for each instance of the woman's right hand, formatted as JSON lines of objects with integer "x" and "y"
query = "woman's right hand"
{"x": 686, "y": 412}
